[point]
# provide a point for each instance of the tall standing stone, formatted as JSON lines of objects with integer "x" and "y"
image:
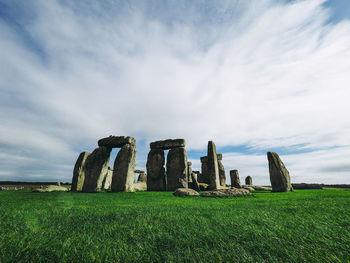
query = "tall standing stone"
{"x": 155, "y": 170}
{"x": 213, "y": 167}
{"x": 176, "y": 169}
{"x": 124, "y": 169}
{"x": 189, "y": 171}
{"x": 279, "y": 175}
{"x": 96, "y": 167}
{"x": 248, "y": 180}
{"x": 79, "y": 172}
{"x": 222, "y": 175}
{"x": 204, "y": 176}
{"x": 235, "y": 182}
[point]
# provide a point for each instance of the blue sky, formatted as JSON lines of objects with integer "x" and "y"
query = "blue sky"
{"x": 253, "y": 76}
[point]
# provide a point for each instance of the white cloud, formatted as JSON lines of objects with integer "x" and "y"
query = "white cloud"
{"x": 264, "y": 75}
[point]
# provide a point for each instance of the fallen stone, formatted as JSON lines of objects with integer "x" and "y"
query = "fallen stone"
{"x": 140, "y": 186}
{"x": 248, "y": 187}
{"x": 79, "y": 172}
{"x": 50, "y": 188}
{"x": 156, "y": 171}
{"x": 116, "y": 141}
{"x": 233, "y": 192}
{"x": 124, "y": 169}
{"x": 261, "y": 188}
{"x": 168, "y": 144}
{"x": 279, "y": 175}
{"x": 96, "y": 167}
{"x": 302, "y": 186}
{"x": 248, "y": 180}
{"x": 235, "y": 181}
{"x": 213, "y": 167}
{"x": 182, "y": 192}
{"x": 176, "y": 169}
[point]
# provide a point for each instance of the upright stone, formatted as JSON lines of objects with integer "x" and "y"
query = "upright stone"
{"x": 189, "y": 171}
{"x": 156, "y": 171}
{"x": 235, "y": 182}
{"x": 96, "y": 167}
{"x": 176, "y": 169}
{"x": 142, "y": 177}
{"x": 79, "y": 172}
{"x": 213, "y": 168}
{"x": 193, "y": 184}
{"x": 107, "y": 181}
{"x": 222, "y": 175}
{"x": 124, "y": 169}
{"x": 279, "y": 175}
{"x": 248, "y": 180}
{"x": 204, "y": 177}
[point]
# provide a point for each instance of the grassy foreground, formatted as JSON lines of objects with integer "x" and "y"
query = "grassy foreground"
{"x": 303, "y": 226}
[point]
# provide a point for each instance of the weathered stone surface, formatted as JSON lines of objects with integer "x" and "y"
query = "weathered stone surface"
{"x": 156, "y": 171}
{"x": 139, "y": 171}
{"x": 248, "y": 187}
{"x": 181, "y": 192}
{"x": 168, "y": 144}
{"x": 107, "y": 181}
{"x": 176, "y": 169}
{"x": 219, "y": 156}
{"x": 50, "y": 188}
{"x": 140, "y": 186}
{"x": 235, "y": 181}
{"x": 96, "y": 167}
{"x": 193, "y": 184}
{"x": 124, "y": 169}
{"x": 261, "y": 188}
{"x": 204, "y": 176}
{"x": 222, "y": 175}
{"x": 248, "y": 180}
{"x": 204, "y": 159}
{"x": 233, "y": 192}
{"x": 142, "y": 178}
{"x": 189, "y": 172}
{"x": 79, "y": 172}
{"x": 213, "y": 167}
{"x": 116, "y": 141}
{"x": 279, "y": 175}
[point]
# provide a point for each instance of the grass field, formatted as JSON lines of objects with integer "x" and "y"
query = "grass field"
{"x": 302, "y": 226}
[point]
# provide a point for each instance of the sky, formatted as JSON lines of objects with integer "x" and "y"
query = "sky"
{"x": 253, "y": 76}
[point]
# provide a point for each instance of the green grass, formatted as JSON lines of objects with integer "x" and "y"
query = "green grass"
{"x": 302, "y": 226}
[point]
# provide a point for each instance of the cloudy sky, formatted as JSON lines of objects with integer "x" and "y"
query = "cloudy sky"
{"x": 253, "y": 76}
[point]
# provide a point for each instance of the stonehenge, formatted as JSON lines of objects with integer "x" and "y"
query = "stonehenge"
{"x": 279, "y": 175}
{"x": 169, "y": 172}
{"x": 235, "y": 181}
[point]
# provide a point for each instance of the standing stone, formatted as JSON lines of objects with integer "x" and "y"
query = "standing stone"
{"x": 235, "y": 182}
{"x": 189, "y": 171}
{"x": 193, "y": 184}
{"x": 279, "y": 175}
{"x": 79, "y": 172}
{"x": 142, "y": 177}
{"x": 222, "y": 175}
{"x": 96, "y": 167}
{"x": 155, "y": 170}
{"x": 248, "y": 180}
{"x": 107, "y": 181}
{"x": 124, "y": 169}
{"x": 213, "y": 168}
{"x": 176, "y": 169}
{"x": 204, "y": 177}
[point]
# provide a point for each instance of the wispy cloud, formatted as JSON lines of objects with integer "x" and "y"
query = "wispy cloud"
{"x": 267, "y": 75}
